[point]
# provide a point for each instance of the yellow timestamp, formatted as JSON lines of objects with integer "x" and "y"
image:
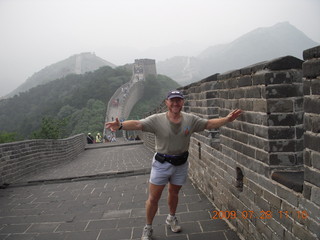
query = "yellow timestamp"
{"x": 248, "y": 214}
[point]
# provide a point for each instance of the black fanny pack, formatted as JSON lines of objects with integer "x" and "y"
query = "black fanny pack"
{"x": 175, "y": 160}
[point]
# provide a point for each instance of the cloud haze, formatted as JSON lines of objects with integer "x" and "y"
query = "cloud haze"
{"x": 37, "y": 33}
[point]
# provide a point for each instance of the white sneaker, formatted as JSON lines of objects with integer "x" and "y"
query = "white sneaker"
{"x": 172, "y": 221}
{"x": 147, "y": 233}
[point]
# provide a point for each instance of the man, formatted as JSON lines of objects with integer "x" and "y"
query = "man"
{"x": 172, "y": 130}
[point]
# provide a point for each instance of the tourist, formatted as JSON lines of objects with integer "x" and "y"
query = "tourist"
{"x": 172, "y": 131}
{"x": 90, "y": 139}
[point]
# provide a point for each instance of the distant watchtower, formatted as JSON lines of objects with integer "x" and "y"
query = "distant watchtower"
{"x": 143, "y": 67}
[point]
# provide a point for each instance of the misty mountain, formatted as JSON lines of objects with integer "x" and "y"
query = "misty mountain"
{"x": 77, "y": 64}
{"x": 261, "y": 44}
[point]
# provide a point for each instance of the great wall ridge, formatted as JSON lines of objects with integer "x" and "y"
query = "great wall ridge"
{"x": 123, "y": 100}
{"x": 266, "y": 163}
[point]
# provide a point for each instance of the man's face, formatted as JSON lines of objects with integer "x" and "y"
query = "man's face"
{"x": 174, "y": 105}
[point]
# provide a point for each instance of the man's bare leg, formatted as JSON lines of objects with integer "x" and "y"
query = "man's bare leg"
{"x": 173, "y": 198}
{"x": 155, "y": 192}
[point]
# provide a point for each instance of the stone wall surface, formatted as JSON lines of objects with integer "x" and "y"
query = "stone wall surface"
{"x": 262, "y": 170}
{"x": 20, "y": 159}
{"x": 311, "y": 83}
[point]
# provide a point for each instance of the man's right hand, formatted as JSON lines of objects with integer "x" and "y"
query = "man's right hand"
{"x": 113, "y": 126}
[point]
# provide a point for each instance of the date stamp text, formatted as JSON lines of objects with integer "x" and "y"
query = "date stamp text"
{"x": 248, "y": 214}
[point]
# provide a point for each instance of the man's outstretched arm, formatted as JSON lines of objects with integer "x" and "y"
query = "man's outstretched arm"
{"x": 126, "y": 125}
{"x": 218, "y": 122}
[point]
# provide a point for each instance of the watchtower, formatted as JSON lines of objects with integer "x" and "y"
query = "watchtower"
{"x": 143, "y": 68}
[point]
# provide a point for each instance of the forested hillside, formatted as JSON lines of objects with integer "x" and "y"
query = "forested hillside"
{"x": 76, "y": 103}
{"x": 79, "y": 100}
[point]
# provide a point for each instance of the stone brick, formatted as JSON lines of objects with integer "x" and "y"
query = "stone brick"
{"x": 254, "y": 92}
{"x": 211, "y": 94}
{"x": 315, "y": 195}
{"x": 284, "y": 119}
{"x": 288, "y": 194}
{"x": 312, "y": 141}
{"x": 312, "y": 226}
{"x": 307, "y": 157}
{"x": 311, "y": 53}
{"x": 312, "y": 176}
{"x": 262, "y": 203}
{"x": 264, "y": 229}
{"x": 220, "y": 84}
{"x": 284, "y": 146}
{"x": 262, "y": 156}
{"x": 301, "y": 232}
{"x": 279, "y": 105}
{"x": 276, "y": 227}
{"x": 255, "y": 118}
{"x": 224, "y": 94}
{"x": 299, "y": 131}
{"x": 231, "y": 83}
{"x": 245, "y": 81}
{"x": 311, "y": 104}
{"x": 311, "y": 208}
{"x": 311, "y": 122}
{"x": 311, "y": 68}
{"x": 281, "y": 133}
{"x": 283, "y": 159}
{"x": 298, "y": 104}
{"x": 286, "y": 77}
{"x": 284, "y": 91}
{"x": 238, "y": 93}
{"x": 212, "y": 102}
{"x": 245, "y": 105}
{"x": 284, "y": 63}
{"x": 259, "y": 143}
{"x": 315, "y": 159}
{"x": 306, "y": 86}
{"x": 259, "y": 105}
{"x": 261, "y": 78}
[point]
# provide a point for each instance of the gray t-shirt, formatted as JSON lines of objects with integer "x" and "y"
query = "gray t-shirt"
{"x": 172, "y": 138}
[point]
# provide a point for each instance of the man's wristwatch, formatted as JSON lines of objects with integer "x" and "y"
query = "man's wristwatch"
{"x": 121, "y": 126}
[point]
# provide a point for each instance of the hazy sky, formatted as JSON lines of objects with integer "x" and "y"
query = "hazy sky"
{"x": 37, "y": 33}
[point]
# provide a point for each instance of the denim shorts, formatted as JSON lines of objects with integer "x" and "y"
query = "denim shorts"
{"x": 162, "y": 173}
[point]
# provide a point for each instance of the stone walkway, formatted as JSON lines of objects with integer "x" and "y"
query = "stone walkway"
{"x": 101, "y": 196}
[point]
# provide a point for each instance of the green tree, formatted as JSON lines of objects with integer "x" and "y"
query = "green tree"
{"x": 89, "y": 119}
{"x": 6, "y": 137}
{"x": 51, "y": 128}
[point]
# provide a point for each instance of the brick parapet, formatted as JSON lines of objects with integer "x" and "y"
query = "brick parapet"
{"x": 234, "y": 165}
{"x": 311, "y": 83}
{"x": 20, "y": 159}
